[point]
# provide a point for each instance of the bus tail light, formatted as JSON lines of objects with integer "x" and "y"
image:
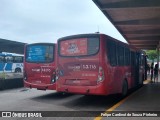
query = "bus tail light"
{"x": 57, "y": 74}
{"x": 53, "y": 79}
{"x": 100, "y": 75}
{"x": 25, "y": 76}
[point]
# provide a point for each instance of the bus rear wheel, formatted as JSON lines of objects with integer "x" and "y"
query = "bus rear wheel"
{"x": 124, "y": 89}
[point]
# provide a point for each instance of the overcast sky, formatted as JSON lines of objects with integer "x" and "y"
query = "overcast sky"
{"x": 34, "y": 21}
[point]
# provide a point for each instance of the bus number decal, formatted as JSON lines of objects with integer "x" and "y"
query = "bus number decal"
{"x": 88, "y": 67}
{"x": 45, "y": 70}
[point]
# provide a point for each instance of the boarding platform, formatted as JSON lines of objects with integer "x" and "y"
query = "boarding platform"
{"x": 141, "y": 104}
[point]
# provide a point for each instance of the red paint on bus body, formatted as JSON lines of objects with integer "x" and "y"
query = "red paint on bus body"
{"x": 93, "y": 73}
{"x": 40, "y": 74}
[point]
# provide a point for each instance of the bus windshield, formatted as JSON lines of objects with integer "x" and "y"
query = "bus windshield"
{"x": 79, "y": 46}
{"x": 40, "y": 53}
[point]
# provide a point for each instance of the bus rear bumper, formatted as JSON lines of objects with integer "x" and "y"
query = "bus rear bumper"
{"x": 86, "y": 90}
{"x": 40, "y": 86}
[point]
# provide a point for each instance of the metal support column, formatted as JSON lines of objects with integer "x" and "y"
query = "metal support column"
{"x": 158, "y": 55}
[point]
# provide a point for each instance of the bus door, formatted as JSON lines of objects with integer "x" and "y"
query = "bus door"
{"x": 133, "y": 68}
{"x": 141, "y": 68}
{"x": 145, "y": 67}
{"x": 137, "y": 68}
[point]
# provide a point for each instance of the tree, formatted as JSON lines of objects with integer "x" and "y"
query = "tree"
{"x": 152, "y": 54}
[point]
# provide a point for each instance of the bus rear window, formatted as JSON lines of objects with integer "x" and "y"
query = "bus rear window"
{"x": 79, "y": 47}
{"x": 40, "y": 53}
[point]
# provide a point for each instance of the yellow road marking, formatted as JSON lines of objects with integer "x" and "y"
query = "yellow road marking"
{"x": 146, "y": 81}
{"x": 118, "y": 104}
{"x": 112, "y": 108}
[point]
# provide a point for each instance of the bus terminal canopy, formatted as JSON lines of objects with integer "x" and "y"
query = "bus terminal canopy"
{"x": 137, "y": 20}
{"x": 11, "y": 46}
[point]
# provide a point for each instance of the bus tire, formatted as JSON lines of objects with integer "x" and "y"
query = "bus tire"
{"x": 17, "y": 70}
{"x": 124, "y": 88}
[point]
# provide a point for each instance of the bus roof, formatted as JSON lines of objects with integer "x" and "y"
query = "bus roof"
{"x": 40, "y": 43}
{"x": 98, "y": 34}
{"x": 10, "y": 54}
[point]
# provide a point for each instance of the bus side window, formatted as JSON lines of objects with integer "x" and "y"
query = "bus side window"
{"x": 1, "y": 59}
{"x": 112, "y": 54}
{"x": 9, "y": 59}
{"x": 132, "y": 58}
{"x": 142, "y": 59}
{"x": 120, "y": 55}
{"x": 127, "y": 56}
{"x": 18, "y": 59}
{"x": 92, "y": 45}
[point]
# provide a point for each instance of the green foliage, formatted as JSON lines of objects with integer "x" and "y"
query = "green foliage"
{"x": 152, "y": 54}
{"x": 2, "y": 75}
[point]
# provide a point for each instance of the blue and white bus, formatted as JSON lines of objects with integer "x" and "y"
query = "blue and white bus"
{"x": 11, "y": 63}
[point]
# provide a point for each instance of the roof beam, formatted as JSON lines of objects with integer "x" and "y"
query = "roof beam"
{"x": 147, "y": 31}
{"x": 145, "y": 38}
{"x": 145, "y": 44}
{"x": 135, "y": 41}
{"x": 136, "y": 20}
{"x": 152, "y": 21}
{"x": 130, "y": 4}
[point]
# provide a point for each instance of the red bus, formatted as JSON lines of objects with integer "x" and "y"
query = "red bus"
{"x": 98, "y": 64}
{"x": 39, "y": 66}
